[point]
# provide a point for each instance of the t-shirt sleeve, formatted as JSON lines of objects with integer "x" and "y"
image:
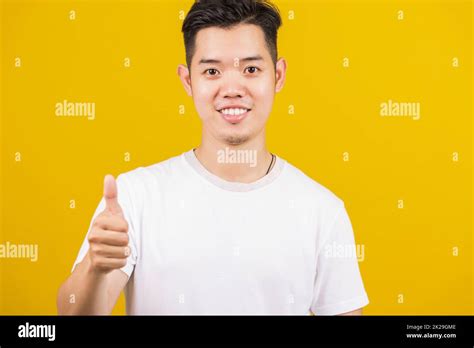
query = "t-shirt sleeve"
{"x": 338, "y": 287}
{"x": 126, "y": 203}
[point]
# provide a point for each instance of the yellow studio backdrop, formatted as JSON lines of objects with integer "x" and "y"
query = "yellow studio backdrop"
{"x": 377, "y": 107}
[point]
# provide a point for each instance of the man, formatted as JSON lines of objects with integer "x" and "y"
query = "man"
{"x": 226, "y": 228}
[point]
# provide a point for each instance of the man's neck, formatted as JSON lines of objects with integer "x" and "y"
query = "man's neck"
{"x": 243, "y": 163}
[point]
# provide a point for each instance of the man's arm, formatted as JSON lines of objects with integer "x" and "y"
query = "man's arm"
{"x": 96, "y": 283}
{"x": 87, "y": 292}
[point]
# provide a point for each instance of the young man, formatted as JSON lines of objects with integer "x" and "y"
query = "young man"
{"x": 201, "y": 234}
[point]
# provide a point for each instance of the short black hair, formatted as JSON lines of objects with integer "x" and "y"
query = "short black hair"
{"x": 227, "y": 14}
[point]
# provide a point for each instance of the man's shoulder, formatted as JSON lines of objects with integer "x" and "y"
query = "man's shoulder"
{"x": 304, "y": 185}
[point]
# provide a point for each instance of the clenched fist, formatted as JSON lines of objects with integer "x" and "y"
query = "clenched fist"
{"x": 108, "y": 238}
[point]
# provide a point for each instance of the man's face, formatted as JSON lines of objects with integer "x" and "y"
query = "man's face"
{"x": 233, "y": 82}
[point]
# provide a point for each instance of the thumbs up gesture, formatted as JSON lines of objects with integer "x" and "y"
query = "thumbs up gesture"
{"x": 110, "y": 196}
{"x": 108, "y": 238}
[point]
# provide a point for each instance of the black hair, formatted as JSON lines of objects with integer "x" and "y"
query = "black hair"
{"x": 228, "y": 13}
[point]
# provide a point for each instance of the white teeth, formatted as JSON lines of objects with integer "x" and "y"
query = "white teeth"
{"x": 234, "y": 111}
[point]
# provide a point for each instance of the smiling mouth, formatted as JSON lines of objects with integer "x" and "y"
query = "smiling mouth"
{"x": 234, "y": 115}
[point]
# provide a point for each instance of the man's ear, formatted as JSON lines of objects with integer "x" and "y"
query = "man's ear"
{"x": 185, "y": 77}
{"x": 280, "y": 74}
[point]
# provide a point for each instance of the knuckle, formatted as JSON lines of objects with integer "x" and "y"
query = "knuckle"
{"x": 98, "y": 221}
{"x": 100, "y": 264}
{"x": 100, "y": 250}
{"x": 103, "y": 264}
{"x": 93, "y": 237}
{"x": 96, "y": 249}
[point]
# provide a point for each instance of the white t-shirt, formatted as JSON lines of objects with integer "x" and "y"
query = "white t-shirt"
{"x": 203, "y": 245}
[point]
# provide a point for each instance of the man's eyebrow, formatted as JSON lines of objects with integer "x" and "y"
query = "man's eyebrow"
{"x": 209, "y": 61}
{"x": 217, "y": 61}
{"x": 252, "y": 58}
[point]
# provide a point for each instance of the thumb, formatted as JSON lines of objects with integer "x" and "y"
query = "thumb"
{"x": 110, "y": 195}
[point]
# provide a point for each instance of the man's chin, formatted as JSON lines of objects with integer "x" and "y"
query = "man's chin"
{"x": 235, "y": 139}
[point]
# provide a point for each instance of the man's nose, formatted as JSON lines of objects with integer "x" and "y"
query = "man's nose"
{"x": 233, "y": 87}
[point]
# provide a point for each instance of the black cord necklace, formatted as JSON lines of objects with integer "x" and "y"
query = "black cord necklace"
{"x": 271, "y": 163}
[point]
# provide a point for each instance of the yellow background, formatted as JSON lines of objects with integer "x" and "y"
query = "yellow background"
{"x": 408, "y": 251}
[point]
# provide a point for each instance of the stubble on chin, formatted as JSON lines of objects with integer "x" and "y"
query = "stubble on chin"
{"x": 233, "y": 140}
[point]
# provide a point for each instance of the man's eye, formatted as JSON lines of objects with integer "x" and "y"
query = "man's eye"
{"x": 252, "y": 69}
{"x": 212, "y": 72}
